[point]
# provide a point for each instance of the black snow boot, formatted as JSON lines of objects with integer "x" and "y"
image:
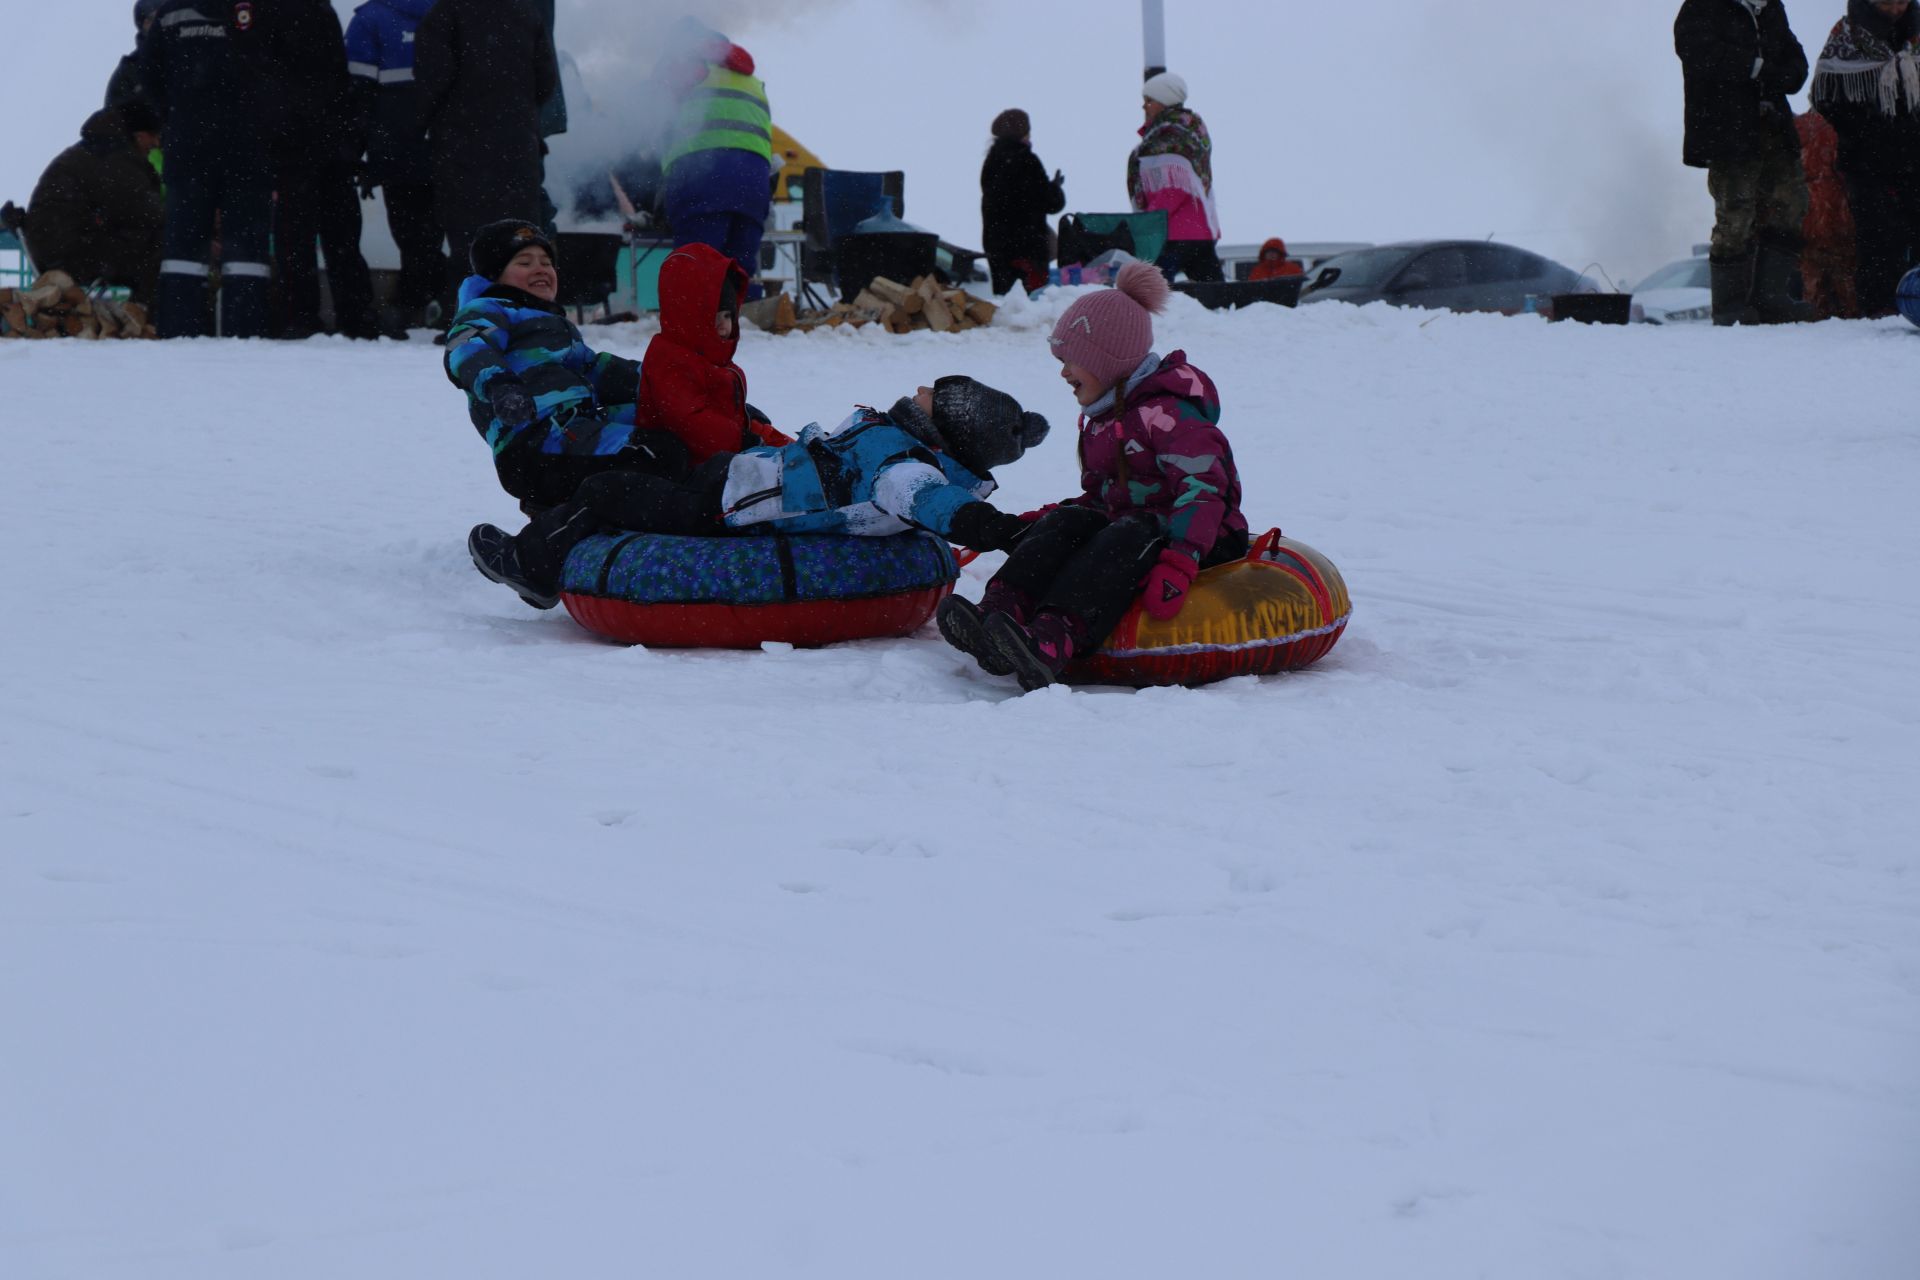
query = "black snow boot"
{"x": 1733, "y": 290}
{"x": 495, "y": 555}
{"x": 1773, "y": 269}
{"x": 963, "y": 626}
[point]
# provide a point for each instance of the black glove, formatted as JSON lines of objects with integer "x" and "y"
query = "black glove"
{"x": 754, "y": 415}
{"x": 511, "y": 404}
{"x": 1059, "y": 178}
{"x": 980, "y": 526}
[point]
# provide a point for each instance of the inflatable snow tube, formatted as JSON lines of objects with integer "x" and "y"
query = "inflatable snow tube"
{"x": 1281, "y": 608}
{"x": 740, "y": 592}
{"x": 1907, "y": 296}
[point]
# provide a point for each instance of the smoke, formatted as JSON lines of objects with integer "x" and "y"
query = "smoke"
{"x": 1577, "y": 142}
{"x": 618, "y": 111}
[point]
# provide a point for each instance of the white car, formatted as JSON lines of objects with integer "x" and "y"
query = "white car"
{"x": 1678, "y": 293}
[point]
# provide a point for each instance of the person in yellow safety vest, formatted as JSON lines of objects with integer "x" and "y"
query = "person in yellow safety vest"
{"x": 718, "y": 157}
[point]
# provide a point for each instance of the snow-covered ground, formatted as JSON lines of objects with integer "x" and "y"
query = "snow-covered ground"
{"x": 358, "y": 921}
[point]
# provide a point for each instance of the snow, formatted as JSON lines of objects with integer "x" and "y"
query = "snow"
{"x": 356, "y": 920}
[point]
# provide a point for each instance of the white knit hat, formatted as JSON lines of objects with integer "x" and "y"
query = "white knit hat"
{"x": 1167, "y": 89}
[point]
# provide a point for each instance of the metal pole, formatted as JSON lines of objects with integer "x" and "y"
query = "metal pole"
{"x": 1153, "y": 24}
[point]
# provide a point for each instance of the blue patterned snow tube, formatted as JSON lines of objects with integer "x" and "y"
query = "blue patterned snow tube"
{"x": 740, "y": 592}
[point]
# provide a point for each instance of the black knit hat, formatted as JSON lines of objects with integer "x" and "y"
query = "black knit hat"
{"x": 137, "y": 117}
{"x": 1012, "y": 125}
{"x": 982, "y": 428}
{"x": 496, "y": 243}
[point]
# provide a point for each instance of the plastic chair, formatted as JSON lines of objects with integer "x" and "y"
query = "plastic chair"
{"x": 833, "y": 203}
{"x": 1085, "y": 236}
{"x": 21, "y": 269}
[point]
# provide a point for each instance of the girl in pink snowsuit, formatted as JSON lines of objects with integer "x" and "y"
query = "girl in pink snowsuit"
{"x": 1159, "y": 496}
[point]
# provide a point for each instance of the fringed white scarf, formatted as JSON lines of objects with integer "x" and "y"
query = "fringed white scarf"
{"x": 1861, "y": 68}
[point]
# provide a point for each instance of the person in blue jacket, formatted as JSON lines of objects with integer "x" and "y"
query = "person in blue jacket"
{"x": 387, "y": 111}
{"x": 926, "y": 463}
{"x": 553, "y": 410}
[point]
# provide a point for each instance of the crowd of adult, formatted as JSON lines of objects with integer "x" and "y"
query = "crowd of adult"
{"x": 241, "y": 135}
{"x": 1833, "y": 195}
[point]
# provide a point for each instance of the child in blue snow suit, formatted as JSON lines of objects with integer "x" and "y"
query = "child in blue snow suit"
{"x": 553, "y": 410}
{"x": 925, "y": 463}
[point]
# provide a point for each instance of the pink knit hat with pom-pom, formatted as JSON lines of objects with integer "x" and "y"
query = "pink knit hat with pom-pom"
{"x": 1110, "y": 332}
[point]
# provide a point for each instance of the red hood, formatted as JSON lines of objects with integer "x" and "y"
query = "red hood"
{"x": 690, "y": 281}
{"x": 1275, "y": 243}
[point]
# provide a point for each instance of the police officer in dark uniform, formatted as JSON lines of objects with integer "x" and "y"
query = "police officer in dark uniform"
{"x": 380, "y": 45}
{"x": 198, "y": 67}
{"x": 314, "y": 151}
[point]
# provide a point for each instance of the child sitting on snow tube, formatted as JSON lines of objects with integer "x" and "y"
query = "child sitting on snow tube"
{"x": 926, "y": 463}
{"x": 1160, "y": 497}
{"x": 554, "y": 410}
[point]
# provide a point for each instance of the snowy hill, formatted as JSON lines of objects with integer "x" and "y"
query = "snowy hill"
{"x": 356, "y": 920}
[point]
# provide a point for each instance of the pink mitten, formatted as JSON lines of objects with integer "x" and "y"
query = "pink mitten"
{"x": 1167, "y": 584}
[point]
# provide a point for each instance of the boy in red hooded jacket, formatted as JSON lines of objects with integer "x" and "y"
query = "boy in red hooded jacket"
{"x": 689, "y": 384}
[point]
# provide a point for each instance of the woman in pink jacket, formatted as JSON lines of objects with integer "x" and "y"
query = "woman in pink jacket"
{"x": 1172, "y": 169}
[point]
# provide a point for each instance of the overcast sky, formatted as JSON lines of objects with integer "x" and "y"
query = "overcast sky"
{"x": 1552, "y": 124}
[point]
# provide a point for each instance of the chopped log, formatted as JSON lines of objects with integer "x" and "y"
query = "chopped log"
{"x": 914, "y": 304}
{"x": 888, "y": 290}
{"x": 774, "y": 314}
{"x": 981, "y": 312}
{"x": 869, "y": 301}
{"x": 939, "y": 319}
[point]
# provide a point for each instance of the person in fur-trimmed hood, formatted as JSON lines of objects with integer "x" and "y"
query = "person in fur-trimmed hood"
{"x": 1172, "y": 169}
{"x": 1740, "y": 60}
{"x": 1867, "y": 85}
{"x": 689, "y": 383}
{"x": 1159, "y": 499}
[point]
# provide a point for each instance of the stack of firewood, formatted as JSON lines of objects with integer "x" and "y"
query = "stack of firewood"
{"x": 902, "y": 308}
{"x": 55, "y": 307}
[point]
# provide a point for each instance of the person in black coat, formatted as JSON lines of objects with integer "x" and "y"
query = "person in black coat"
{"x": 1867, "y": 85}
{"x": 315, "y": 151}
{"x": 1740, "y": 60}
{"x": 124, "y": 85}
{"x": 1016, "y": 196}
{"x": 96, "y": 213}
{"x": 482, "y": 69}
{"x": 203, "y": 75}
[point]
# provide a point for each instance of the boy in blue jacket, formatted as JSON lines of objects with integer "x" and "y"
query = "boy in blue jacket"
{"x": 553, "y": 410}
{"x": 925, "y": 463}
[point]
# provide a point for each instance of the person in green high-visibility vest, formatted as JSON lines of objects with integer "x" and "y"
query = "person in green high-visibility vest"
{"x": 718, "y": 156}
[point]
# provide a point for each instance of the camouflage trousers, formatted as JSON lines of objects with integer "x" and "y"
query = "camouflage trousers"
{"x": 1763, "y": 196}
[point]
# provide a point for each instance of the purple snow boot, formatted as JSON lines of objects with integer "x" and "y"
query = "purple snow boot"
{"x": 1039, "y": 652}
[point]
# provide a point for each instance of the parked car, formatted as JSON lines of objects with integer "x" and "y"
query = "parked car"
{"x": 1678, "y": 293}
{"x": 1445, "y": 275}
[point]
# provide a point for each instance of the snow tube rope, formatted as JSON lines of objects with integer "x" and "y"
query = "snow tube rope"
{"x": 741, "y": 592}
